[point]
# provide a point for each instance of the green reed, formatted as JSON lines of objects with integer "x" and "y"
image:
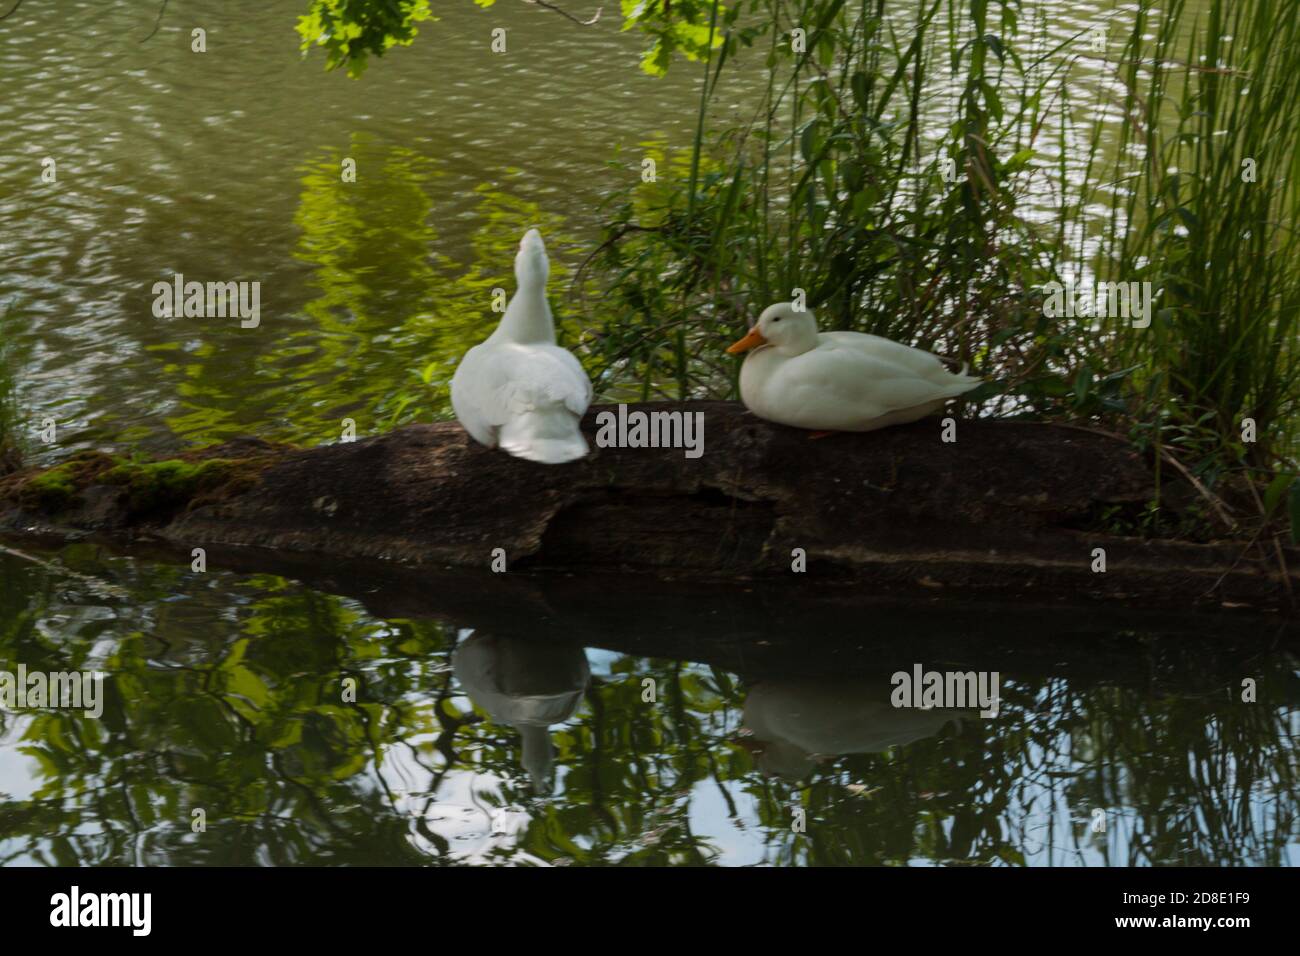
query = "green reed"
{"x": 1211, "y": 216}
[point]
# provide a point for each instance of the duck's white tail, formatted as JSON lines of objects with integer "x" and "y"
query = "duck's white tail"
{"x": 957, "y": 383}
{"x": 548, "y": 434}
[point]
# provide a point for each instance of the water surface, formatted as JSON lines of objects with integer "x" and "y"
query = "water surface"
{"x": 493, "y": 722}
{"x": 570, "y": 722}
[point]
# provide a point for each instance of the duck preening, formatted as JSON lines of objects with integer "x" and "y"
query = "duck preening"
{"x": 838, "y": 381}
{"x": 518, "y": 390}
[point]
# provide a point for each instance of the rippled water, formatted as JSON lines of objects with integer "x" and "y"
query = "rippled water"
{"x": 226, "y": 166}
{"x": 535, "y": 721}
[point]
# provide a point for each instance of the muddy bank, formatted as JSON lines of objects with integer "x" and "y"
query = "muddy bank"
{"x": 1013, "y": 511}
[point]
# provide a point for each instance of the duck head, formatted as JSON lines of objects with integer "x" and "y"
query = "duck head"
{"x": 783, "y": 328}
{"x": 531, "y": 265}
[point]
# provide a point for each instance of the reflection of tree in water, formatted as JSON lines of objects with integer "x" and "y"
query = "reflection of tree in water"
{"x": 391, "y": 315}
{"x": 387, "y": 311}
{"x": 229, "y": 698}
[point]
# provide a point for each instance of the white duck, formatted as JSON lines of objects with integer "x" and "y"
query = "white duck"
{"x": 838, "y": 381}
{"x": 519, "y": 390}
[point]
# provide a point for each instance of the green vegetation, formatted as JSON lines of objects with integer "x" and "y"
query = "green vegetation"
{"x": 55, "y": 488}
{"x": 51, "y": 490}
{"x": 225, "y": 691}
{"x": 351, "y": 31}
{"x": 163, "y": 485}
{"x": 150, "y": 486}
{"x": 837, "y": 188}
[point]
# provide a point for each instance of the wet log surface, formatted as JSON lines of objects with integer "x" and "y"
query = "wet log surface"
{"x": 1011, "y": 511}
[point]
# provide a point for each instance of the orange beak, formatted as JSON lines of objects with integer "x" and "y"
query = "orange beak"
{"x": 751, "y": 341}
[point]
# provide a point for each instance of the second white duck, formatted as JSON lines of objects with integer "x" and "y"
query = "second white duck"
{"x": 838, "y": 381}
{"x": 518, "y": 390}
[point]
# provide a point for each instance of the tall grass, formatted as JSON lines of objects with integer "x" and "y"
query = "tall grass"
{"x": 837, "y": 187}
{"x": 1211, "y": 218}
{"x": 1123, "y": 164}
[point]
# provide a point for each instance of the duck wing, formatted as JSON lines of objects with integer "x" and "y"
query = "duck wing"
{"x": 923, "y": 363}
{"x": 846, "y": 384}
{"x": 526, "y": 399}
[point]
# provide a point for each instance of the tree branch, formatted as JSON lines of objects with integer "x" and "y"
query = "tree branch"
{"x": 157, "y": 23}
{"x": 563, "y": 13}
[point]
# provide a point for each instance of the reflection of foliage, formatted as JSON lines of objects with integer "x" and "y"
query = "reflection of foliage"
{"x": 367, "y": 243}
{"x": 391, "y": 315}
{"x": 226, "y": 695}
{"x": 235, "y": 726}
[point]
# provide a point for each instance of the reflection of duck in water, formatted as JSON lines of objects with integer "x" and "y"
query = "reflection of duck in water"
{"x": 793, "y": 722}
{"x": 527, "y": 685}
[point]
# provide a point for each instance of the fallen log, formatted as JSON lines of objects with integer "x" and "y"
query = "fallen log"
{"x": 1011, "y": 510}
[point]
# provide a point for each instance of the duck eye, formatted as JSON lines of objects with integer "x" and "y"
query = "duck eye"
{"x": 777, "y": 319}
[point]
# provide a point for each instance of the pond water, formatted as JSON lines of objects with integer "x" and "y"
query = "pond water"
{"x": 349, "y": 718}
{"x": 568, "y": 722}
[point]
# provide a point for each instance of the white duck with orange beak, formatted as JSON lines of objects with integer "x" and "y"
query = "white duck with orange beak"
{"x": 838, "y": 381}
{"x": 518, "y": 390}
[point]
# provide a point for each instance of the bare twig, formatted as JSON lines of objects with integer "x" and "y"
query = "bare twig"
{"x": 92, "y": 583}
{"x": 1212, "y": 499}
{"x": 157, "y": 23}
{"x": 1277, "y": 545}
{"x": 567, "y": 15}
